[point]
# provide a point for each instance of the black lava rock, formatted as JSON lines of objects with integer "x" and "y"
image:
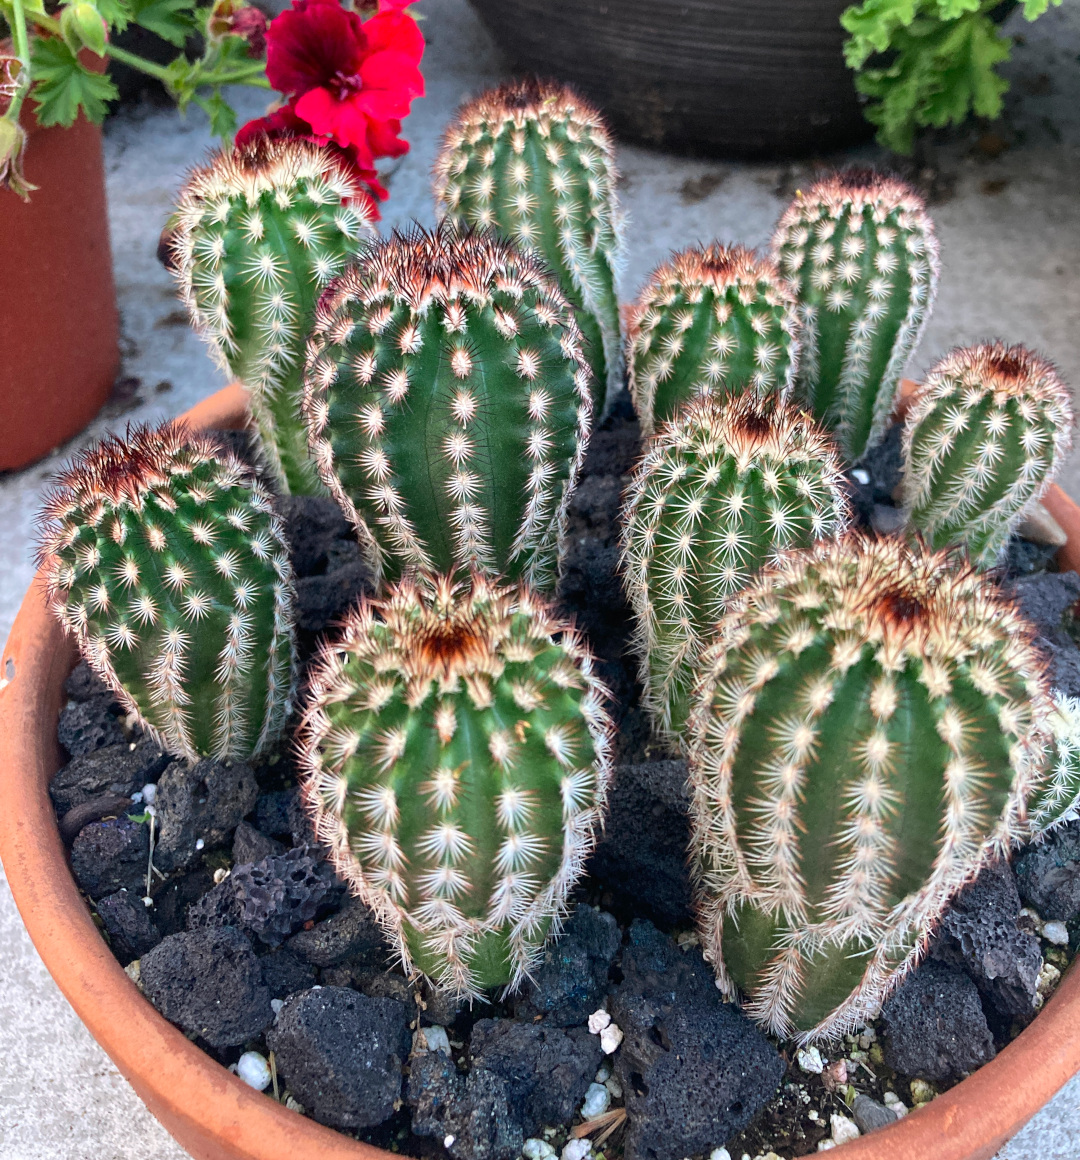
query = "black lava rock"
{"x": 321, "y": 600}
{"x": 978, "y": 934}
{"x": 571, "y": 979}
{"x": 206, "y": 802}
{"x": 934, "y": 1027}
{"x": 641, "y": 857}
{"x": 694, "y": 1069}
{"x": 85, "y": 685}
{"x": 1044, "y": 600}
{"x": 173, "y": 897}
{"x": 88, "y": 725}
{"x": 115, "y": 769}
{"x": 1023, "y": 558}
{"x": 881, "y": 468}
{"x": 350, "y": 933}
{"x": 275, "y": 811}
{"x": 251, "y": 846}
{"x": 440, "y": 1007}
{"x": 341, "y": 1054}
{"x": 110, "y": 856}
{"x": 284, "y": 974}
{"x": 209, "y": 983}
{"x": 1048, "y": 874}
{"x": 132, "y": 932}
{"x": 314, "y": 525}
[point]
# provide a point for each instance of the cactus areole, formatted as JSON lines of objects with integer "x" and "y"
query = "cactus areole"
{"x": 456, "y": 761}
{"x": 536, "y": 161}
{"x": 260, "y": 232}
{"x": 448, "y": 406}
{"x": 167, "y": 564}
{"x": 873, "y": 720}
{"x": 861, "y": 253}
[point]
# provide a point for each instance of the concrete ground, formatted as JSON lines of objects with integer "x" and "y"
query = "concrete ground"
{"x": 1010, "y": 235}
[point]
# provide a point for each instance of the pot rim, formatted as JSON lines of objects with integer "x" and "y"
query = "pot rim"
{"x": 214, "y": 1114}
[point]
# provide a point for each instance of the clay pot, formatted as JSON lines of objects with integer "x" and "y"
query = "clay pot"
{"x": 719, "y": 77}
{"x": 61, "y": 329}
{"x": 214, "y": 1115}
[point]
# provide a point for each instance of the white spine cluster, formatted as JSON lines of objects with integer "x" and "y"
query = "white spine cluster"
{"x": 1058, "y": 802}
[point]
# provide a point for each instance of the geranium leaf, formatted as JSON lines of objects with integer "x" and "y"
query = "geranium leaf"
{"x": 115, "y": 13}
{"x": 62, "y": 86}
{"x": 222, "y": 116}
{"x": 172, "y": 20}
{"x": 1033, "y": 9}
{"x": 872, "y": 25}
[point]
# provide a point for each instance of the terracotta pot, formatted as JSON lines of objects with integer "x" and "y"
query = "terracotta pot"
{"x": 217, "y": 1117}
{"x": 58, "y": 316}
{"x": 718, "y": 77}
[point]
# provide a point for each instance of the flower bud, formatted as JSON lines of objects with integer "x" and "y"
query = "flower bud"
{"x": 234, "y": 18}
{"x": 83, "y": 26}
{"x": 12, "y": 147}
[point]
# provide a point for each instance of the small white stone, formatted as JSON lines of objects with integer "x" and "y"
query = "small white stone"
{"x": 537, "y": 1150}
{"x": 860, "y": 476}
{"x": 136, "y": 797}
{"x": 432, "y": 1039}
{"x": 614, "y": 1087}
{"x": 147, "y": 901}
{"x": 826, "y": 1144}
{"x": 253, "y": 1069}
{"x": 1033, "y": 915}
{"x": 810, "y": 1060}
{"x": 448, "y": 1140}
{"x": 812, "y": 1115}
{"x": 294, "y": 1105}
{"x": 598, "y": 1020}
{"x": 843, "y": 1129}
{"x": 610, "y": 1038}
{"x": 603, "y": 1072}
{"x": 867, "y": 1037}
{"x": 276, "y": 1005}
{"x": 899, "y": 1110}
{"x": 199, "y": 844}
{"x": 921, "y": 1091}
{"x": 1049, "y": 976}
{"x": 597, "y": 1101}
{"x": 576, "y": 1150}
{"x": 890, "y": 1098}
{"x": 1056, "y": 932}
{"x": 719, "y": 1154}
{"x": 149, "y": 792}
{"x": 220, "y": 874}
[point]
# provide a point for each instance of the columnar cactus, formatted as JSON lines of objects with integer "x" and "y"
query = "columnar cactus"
{"x": 535, "y": 161}
{"x": 260, "y": 231}
{"x": 166, "y": 562}
{"x": 983, "y": 438}
{"x": 448, "y": 405}
{"x": 713, "y": 320}
{"x": 723, "y": 489}
{"x": 456, "y": 762}
{"x": 871, "y": 724}
{"x": 863, "y": 257}
{"x": 1057, "y": 801}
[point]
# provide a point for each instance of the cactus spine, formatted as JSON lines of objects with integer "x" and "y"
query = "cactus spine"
{"x": 871, "y": 723}
{"x": 166, "y": 562}
{"x": 456, "y": 762}
{"x": 983, "y": 438}
{"x": 863, "y": 257}
{"x": 713, "y": 320}
{"x": 536, "y": 161}
{"x": 723, "y": 489}
{"x": 448, "y": 406}
{"x": 1057, "y": 801}
{"x": 260, "y": 232}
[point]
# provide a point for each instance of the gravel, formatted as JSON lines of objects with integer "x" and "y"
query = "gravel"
{"x": 132, "y": 931}
{"x": 1048, "y": 875}
{"x": 88, "y": 725}
{"x": 111, "y": 855}
{"x": 202, "y": 802}
{"x": 349, "y": 933}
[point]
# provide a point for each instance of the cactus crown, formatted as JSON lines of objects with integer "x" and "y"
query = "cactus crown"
{"x": 723, "y": 490}
{"x": 260, "y": 232}
{"x": 871, "y": 724}
{"x": 861, "y": 252}
{"x": 448, "y": 405}
{"x": 714, "y": 319}
{"x": 457, "y": 765}
{"x": 536, "y": 161}
{"x": 165, "y": 560}
{"x": 983, "y": 438}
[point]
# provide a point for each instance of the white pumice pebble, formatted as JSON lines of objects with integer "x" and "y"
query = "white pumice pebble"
{"x": 199, "y": 844}
{"x": 576, "y": 1150}
{"x": 826, "y": 1144}
{"x": 861, "y": 476}
{"x": 149, "y": 792}
{"x": 843, "y": 1129}
{"x": 1056, "y": 932}
{"x": 220, "y": 874}
{"x": 294, "y": 1105}
{"x": 431, "y": 1039}
{"x": 276, "y": 1005}
{"x": 890, "y": 1098}
{"x": 597, "y": 1101}
{"x": 812, "y": 1114}
{"x": 614, "y": 1087}
{"x": 809, "y": 1059}
{"x": 253, "y": 1069}
{"x": 610, "y": 1038}
{"x": 136, "y": 797}
{"x": 448, "y": 1140}
{"x": 147, "y": 900}
{"x": 598, "y": 1020}
{"x": 719, "y": 1154}
{"x": 535, "y": 1149}
{"x": 603, "y": 1072}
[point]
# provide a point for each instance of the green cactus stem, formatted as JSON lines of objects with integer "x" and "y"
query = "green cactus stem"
{"x": 872, "y": 721}
{"x": 166, "y": 562}
{"x": 456, "y": 762}
{"x": 861, "y": 253}
{"x": 259, "y": 233}
{"x": 1057, "y": 802}
{"x": 448, "y": 406}
{"x": 723, "y": 489}
{"x": 535, "y": 161}
{"x": 713, "y": 320}
{"x": 982, "y": 440}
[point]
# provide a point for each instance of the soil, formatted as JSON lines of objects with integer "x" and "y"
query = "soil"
{"x": 240, "y": 891}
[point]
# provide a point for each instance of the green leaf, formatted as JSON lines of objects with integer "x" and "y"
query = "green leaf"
{"x": 222, "y": 117}
{"x": 116, "y": 13}
{"x": 62, "y": 86}
{"x": 1033, "y": 9}
{"x": 872, "y": 25}
{"x": 172, "y": 20}
{"x": 954, "y": 9}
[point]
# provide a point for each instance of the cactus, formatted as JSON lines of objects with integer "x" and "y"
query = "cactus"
{"x": 259, "y": 232}
{"x": 1057, "y": 801}
{"x": 871, "y": 723}
{"x": 861, "y": 252}
{"x": 982, "y": 440}
{"x": 448, "y": 406}
{"x": 455, "y": 759}
{"x": 713, "y": 320}
{"x": 723, "y": 489}
{"x": 535, "y": 161}
{"x": 165, "y": 560}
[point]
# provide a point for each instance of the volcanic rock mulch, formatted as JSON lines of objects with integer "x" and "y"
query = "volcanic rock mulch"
{"x": 238, "y": 931}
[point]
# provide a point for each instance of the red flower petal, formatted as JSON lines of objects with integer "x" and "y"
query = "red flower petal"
{"x": 344, "y": 121}
{"x": 310, "y": 43}
{"x": 397, "y": 31}
{"x": 393, "y": 72}
{"x": 383, "y": 139}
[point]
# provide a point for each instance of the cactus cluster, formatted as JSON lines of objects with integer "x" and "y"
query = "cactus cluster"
{"x": 448, "y": 405}
{"x": 535, "y": 161}
{"x": 862, "y": 255}
{"x": 872, "y": 721}
{"x": 983, "y": 438}
{"x": 1057, "y": 801}
{"x": 456, "y": 756}
{"x": 713, "y": 320}
{"x": 165, "y": 560}
{"x": 723, "y": 489}
{"x": 260, "y": 232}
